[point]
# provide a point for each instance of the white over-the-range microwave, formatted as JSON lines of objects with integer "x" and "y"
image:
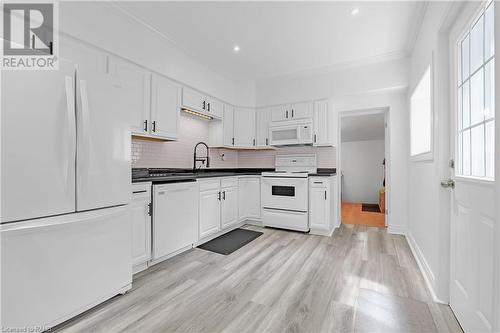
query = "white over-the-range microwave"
{"x": 298, "y": 132}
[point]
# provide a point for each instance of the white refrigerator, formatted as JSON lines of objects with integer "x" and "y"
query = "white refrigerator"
{"x": 65, "y": 183}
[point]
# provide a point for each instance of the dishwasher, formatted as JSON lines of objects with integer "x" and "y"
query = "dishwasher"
{"x": 175, "y": 218}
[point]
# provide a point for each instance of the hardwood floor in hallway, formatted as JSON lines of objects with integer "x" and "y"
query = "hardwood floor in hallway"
{"x": 352, "y": 213}
{"x": 361, "y": 279}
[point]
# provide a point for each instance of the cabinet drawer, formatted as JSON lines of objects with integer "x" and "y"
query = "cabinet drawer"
{"x": 141, "y": 190}
{"x": 209, "y": 184}
{"x": 229, "y": 182}
{"x": 319, "y": 182}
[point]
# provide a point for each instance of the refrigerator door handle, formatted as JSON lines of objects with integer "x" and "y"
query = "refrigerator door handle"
{"x": 85, "y": 137}
{"x": 70, "y": 105}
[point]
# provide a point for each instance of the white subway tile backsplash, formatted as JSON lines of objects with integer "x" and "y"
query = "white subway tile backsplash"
{"x": 179, "y": 154}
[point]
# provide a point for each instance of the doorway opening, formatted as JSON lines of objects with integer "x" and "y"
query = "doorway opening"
{"x": 363, "y": 174}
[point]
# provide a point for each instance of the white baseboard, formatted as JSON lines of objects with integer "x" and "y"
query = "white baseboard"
{"x": 253, "y": 222}
{"x": 322, "y": 232}
{"x": 424, "y": 267}
{"x": 396, "y": 229}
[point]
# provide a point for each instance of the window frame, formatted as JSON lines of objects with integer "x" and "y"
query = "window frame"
{"x": 428, "y": 155}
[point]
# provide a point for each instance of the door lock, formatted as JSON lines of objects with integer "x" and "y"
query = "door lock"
{"x": 450, "y": 183}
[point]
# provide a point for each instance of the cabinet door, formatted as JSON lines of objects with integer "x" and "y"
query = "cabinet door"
{"x": 242, "y": 198}
{"x": 319, "y": 208}
{"x": 209, "y": 213}
{"x": 253, "y": 197}
{"x": 301, "y": 110}
{"x": 321, "y": 136}
{"x": 228, "y": 125}
{"x": 262, "y": 124}
{"x": 136, "y": 85}
{"x": 229, "y": 206}
{"x": 141, "y": 228}
{"x": 279, "y": 113}
{"x": 244, "y": 127}
{"x": 165, "y": 108}
{"x": 193, "y": 100}
{"x": 215, "y": 107}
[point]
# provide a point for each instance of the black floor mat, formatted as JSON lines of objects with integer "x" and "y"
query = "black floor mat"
{"x": 230, "y": 242}
{"x": 370, "y": 208}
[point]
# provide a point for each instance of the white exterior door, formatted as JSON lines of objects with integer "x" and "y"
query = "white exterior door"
{"x": 209, "y": 212}
{"x": 38, "y": 143}
{"x": 472, "y": 216}
{"x": 103, "y": 143}
{"x": 229, "y": 206}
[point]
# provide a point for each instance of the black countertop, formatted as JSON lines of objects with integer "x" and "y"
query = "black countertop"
{"x": 181, "y": 175}
{"x": 172, "y": 175}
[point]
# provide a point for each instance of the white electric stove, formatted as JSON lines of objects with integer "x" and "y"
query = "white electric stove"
{"x": 285, "y": 193}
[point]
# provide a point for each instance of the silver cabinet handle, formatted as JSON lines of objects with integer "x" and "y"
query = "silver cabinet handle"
{"x": 449, "y": 183}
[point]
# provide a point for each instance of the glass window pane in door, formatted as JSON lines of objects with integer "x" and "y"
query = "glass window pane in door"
{"x": 489, "y": 89}
{"x": 476, "y": 45}
{"x": 490, "y": 149}
{"x": 459, "y": 169}
{"x": 465, "y": 105}
{"x": 477, "y": 148}
{"x": 477, "y": 98}
{"x": 466, "y": 153}
{"x": 489, "y": 40}
{"x": 465, "y": 58}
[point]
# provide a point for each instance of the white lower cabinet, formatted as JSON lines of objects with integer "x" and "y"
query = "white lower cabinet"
{"x": 229, "y": 206}
{"x": 322, "y": 205}
{"x": 249, "y": 197}
{"x": 218, "y": 205}
{"x": 209, "y": 208}
{"x": 140, "y": 211}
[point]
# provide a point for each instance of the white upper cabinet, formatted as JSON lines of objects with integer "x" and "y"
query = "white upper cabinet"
{"x": 136, "y": 85}
{"x": 292, "y": 111}
{"x": 244, "y": 127}
{"x": 193, "y": 100}
{"x": 263, "y": 117}
{"x": 214, "y": 107}
{"x": 278, "y": 113}
{"x": 165, "y": 108}
{"x": 301, "y": 110}
{"x": 196, "y": 101}
{"x": 322, "y": 124}
{"x": 228, "y": 125}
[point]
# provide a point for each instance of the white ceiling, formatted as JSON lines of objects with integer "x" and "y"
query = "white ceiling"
{"x": 363, "y": 127}
{"x": 278, "y": 38}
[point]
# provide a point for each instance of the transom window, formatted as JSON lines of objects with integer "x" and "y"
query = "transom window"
{"x": 476, "y": 98}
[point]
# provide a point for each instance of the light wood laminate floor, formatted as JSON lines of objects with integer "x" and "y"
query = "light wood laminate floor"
{"x": 361, "y": 279}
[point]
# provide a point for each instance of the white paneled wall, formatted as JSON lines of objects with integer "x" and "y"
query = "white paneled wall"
{"x": 179, "y": 154}
{"x": 265, "y": 158}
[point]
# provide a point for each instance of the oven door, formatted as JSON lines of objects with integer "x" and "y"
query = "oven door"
{"x": 285, "y": 193}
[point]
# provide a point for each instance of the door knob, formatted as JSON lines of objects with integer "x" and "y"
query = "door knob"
{"x": 449, "y": 183}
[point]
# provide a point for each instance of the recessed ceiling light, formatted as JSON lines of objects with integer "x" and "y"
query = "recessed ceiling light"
{"x": 236, "y": 48}
{"x": 355, "y": 11}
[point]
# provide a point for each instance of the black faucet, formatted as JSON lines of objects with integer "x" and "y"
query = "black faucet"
{"x": 201, "y": 159}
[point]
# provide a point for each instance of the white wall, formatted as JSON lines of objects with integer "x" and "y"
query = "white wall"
{"x": 429, "y": 204}
{"x": 362, "y": 170}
